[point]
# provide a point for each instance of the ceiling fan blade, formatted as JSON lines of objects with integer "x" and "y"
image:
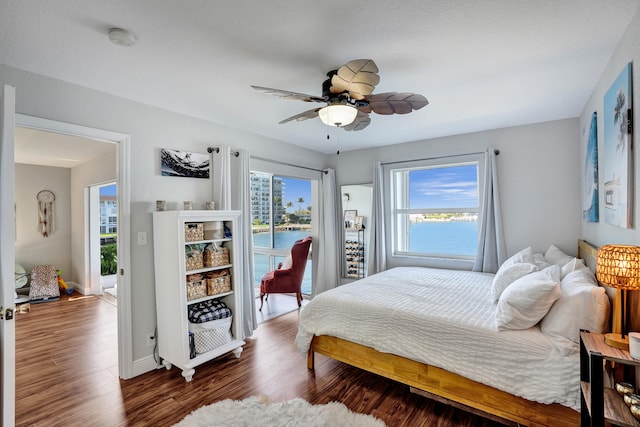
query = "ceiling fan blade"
{"x": 309, "y": 114}
{"x": 286, "y": 94}
{"x": 359, "y": 77}
{"x": 362, "y": 121}
{"x": 395, "y": 103}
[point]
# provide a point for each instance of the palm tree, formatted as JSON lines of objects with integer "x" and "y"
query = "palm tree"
{"x": 289, "y": 204}
{"x": 300, "y": 201}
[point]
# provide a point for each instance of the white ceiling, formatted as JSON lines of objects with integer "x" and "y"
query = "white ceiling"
{"x": 482, "y": 64}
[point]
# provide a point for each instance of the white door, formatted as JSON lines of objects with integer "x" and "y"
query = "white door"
{"x": 7, "y": 259}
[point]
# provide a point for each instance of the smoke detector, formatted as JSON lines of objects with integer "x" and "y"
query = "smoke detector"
{"x": 121, "y": 37}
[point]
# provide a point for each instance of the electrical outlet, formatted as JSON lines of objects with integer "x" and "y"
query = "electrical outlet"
{"x": 151, "y": 340}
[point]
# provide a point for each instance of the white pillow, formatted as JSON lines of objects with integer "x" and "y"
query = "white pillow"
{"x": 583, "y": 305}
{"x": 573, "y": 265}
{"x": 553, "y": 255}
{"x": 525, "y": 255}
{"x": 525, "y": 302}
{"x": 507, "y": 275}
{"x": 540, "y": 261}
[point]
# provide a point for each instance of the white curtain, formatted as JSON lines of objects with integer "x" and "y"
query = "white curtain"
{"x": 377, "y": 246}
{"x": 221, "y": 165}
{"x": 328, "y": 235}
{"x": 232, "y": 191}
{"x": 491, "y": 248}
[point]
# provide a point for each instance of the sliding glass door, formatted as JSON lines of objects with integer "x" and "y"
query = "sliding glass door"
{"x": 281, "y": 211}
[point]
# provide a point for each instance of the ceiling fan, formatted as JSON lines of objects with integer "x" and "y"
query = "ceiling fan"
{"x": 348, "y": 95}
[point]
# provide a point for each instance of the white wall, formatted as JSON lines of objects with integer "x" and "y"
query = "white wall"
{"x": 31, "y": 248}
{"x": 538, "y": 173}
{"x": 150, "y": 129}
{"x": 99, "y": 170}
{"x": 628, "y": 50}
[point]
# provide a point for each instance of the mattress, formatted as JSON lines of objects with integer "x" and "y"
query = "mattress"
{"x": 444, "y": 318}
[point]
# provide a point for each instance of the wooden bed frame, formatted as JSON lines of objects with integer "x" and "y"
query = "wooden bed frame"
{"x": 447, "y": 387}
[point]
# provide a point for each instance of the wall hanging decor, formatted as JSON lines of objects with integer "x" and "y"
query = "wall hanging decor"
{"x": 590, "y": 203}
{"x": 45, "y": 212}
{"x": 618, "y": 159}
{"x": 184, "y": 163}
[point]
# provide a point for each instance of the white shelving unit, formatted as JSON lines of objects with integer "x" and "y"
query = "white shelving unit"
{"x": 171, "y": 273}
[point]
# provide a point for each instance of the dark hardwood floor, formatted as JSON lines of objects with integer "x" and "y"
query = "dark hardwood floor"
{"x": 66, "y": 375}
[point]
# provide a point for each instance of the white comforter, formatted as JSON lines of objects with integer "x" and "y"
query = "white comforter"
{"x": 444, "y": 318}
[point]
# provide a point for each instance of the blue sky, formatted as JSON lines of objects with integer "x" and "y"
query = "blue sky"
{"x": 108, "y": 190}
{"x": 294, "y": 188}
{"x": 450, "y": 187}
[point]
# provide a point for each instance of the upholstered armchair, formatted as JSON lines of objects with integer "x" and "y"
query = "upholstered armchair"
{"x": 287, "y": 278}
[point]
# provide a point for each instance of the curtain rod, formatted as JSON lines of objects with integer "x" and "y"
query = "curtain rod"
{"x": 289, "y": 164}
{"x": 496, "y": 152}
{"x": 217, "y": 150}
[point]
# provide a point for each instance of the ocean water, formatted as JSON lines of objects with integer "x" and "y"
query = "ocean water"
{"x": 445, "y": 238}
{"x": 283, "y": 239}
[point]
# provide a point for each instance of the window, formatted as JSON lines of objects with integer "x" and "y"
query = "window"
{"x": 281, "y": 209}
{"x": 434, "y": 208}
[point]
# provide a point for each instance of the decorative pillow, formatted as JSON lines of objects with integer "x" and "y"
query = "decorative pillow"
{"x": 583, "y": 305}
{"x": 540, "y": 261}
{"x": 507, "y": 275}
{"x": 573, "y": 265}
{"x": 525, "y": 302}
{"x": 556, "y": 256}
{"x": 504, "y": 279}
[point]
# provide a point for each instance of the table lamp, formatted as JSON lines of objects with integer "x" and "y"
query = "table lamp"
{"x": 618, "y": 266}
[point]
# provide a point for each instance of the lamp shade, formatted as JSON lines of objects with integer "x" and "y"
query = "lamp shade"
{"x": 338, "y": 114}
{"x": 618, "y": 266}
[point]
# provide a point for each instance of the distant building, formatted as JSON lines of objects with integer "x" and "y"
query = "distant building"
{"x": 108, "y": 214}
{"x": 261, "y": 202}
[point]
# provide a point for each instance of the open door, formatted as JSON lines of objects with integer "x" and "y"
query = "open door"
{"x": 7, "y": 259}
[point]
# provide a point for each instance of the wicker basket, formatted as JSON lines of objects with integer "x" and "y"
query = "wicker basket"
{"x": 210, "y": 335}
{"x": 196, "y": 290}
{"x": 193, "y": 231}
{"x": 193, "y": 259}
{"x": 216, "y": 256}
{"x": 219, "y": 285}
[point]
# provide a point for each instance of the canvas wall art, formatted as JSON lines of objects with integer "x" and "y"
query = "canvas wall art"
{"x": 618, "y": 160}
{"x": 184, "y": 164}
{"x": 590, "y": 203}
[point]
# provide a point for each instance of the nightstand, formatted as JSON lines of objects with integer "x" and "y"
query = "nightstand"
{"x": 600, "y": 404}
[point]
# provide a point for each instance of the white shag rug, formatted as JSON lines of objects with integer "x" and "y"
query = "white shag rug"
{"x": 253, "y": 411}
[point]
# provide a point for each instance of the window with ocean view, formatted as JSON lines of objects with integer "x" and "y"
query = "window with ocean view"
{"x": 281, "y": 214}
{"x": 435, "y": 210}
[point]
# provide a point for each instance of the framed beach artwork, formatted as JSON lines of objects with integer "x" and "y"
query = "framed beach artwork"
{"x": 618, "y": 158}
{"x": 184, "y": 164}
{"x": 350, "y": 218}
{"x": 590, "y": 203}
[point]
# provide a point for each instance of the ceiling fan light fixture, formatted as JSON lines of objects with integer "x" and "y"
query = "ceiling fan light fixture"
{"x": 121, "y": 37}
{"x": 338, "y": 114}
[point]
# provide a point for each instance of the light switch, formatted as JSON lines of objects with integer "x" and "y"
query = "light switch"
{"x": 142, "y": 237}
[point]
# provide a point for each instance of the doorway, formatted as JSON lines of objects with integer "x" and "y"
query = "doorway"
{"x": 80, "y": 240}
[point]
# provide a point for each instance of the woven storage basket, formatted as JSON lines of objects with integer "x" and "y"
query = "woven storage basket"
{"x": 196, "y": 290}
{"x": 210, "y": 335}
{"x": 219, "y": 285}
{"x": 193, "y": 231}
{"x": 215, "y": 257}
{"x": 194, "y": 260}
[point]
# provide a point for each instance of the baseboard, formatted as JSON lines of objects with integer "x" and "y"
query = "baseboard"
{"x": 144, "y": 365}
{"x": 78, "y": 288}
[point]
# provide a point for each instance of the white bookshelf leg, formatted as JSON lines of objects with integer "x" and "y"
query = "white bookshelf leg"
{"x": 236, "y": 352}
{"x": 167, "y": 365}
{"x": 188, "y": 374}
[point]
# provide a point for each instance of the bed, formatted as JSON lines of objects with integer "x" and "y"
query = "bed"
{"x": 467, "y": 365}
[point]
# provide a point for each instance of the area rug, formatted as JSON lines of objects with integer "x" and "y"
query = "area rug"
{"x": 253, "y": 411}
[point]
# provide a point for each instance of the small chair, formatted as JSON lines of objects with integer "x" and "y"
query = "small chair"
{"x": 287, "y": 278}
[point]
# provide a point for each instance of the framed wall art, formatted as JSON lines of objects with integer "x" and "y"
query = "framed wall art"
{"x": 184, "y": 164}
{"x": 590, "y": 201}
{"x": 618, "y": 158}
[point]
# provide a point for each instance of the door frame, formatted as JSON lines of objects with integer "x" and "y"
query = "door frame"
{"x": 122, "y": 141}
